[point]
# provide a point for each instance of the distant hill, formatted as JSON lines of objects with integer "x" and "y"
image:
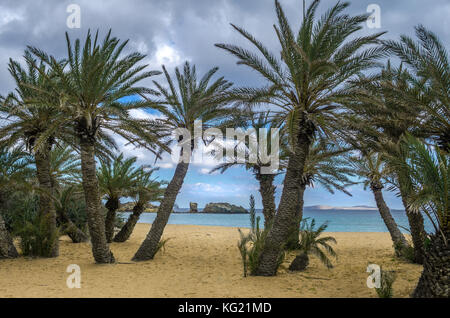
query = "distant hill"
{"x": 317, "y": 208}
{"x": 345, "y": 208}
{"x": 327, "y": 207}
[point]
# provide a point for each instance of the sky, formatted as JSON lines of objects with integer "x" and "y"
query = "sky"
{"x": 170, "y": 32}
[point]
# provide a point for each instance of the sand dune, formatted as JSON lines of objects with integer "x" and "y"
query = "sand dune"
{"x": 202, "y": 261}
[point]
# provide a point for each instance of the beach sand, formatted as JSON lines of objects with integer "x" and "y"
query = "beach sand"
{"x": 203, "y": 261}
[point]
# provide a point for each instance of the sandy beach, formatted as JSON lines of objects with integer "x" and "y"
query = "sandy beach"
{"x": 201, "y": 261}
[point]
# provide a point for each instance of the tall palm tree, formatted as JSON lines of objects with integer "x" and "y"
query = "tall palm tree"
{"x": 383, "y": 111}
{"x": 371, "y": 167}
{"x": 146, "y": 189}
{"x": 14, "y": 170}
{"x": 115, "y": 180}
{"x": 28, "y": 125}
{"x": 304, "y": 84}
{"x": 97, "y": 85}
{"x": 193, "y": 100}
{"x": 430, "y": 175}
{"x": 326, "y": 165}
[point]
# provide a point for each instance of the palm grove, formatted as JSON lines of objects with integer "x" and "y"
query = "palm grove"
{"x": 342, "y": 108}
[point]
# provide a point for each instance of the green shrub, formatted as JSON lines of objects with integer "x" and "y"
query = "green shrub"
{"x": 243, "y": 249}
{"x": 76, "y": 211}
{"x": 162, "y": 245}
{"x": 313, "y": 243}
{"x": 252, "y": 212}
{"x": 12, "y": 208}
{"x": 24, "y": 209}
{"x": 33, "y": 229}
{"x": 251, "y": 245}
{"x": 34, "y": 240}
{"x": 406, "y": 253}
{"x": 386, "y": 282}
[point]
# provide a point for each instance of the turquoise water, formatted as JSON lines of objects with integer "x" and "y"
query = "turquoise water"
{"x": 338, "y": 220}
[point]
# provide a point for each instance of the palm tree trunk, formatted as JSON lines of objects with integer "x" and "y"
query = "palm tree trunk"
{"x": 293, "y": 240}
{"x": 267, "y": 190}
{"x": 149, "y": 247}
{"x": 435, "y": 279}
{"x": 300, "y": 262}
{"x": 96, "y": 221}
{"x": 400, "y": 243}
{"x": 287, "y": 210}
{"x": 75, "y": 234}
{"x": 416, "y": 225}
{"x": 7, "y": 248}
{"x": 112, "y": 205}
{"x": 127, "y": 229}
{"x": 47, "y": 210}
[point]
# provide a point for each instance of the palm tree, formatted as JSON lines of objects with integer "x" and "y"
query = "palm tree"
{"x": 194, "y": 100}
{"x": 430, "y": 175}
{"x": 7, "y": 248}
{"x": 65, "y": 172}
{"x": 28, "y": 125}
{"x": 312, "y": 243}
{"x": 304, "y": 85}
{"x": 115, "y": 181}
{"x": 428, "y": 59}
{"x": 96, "y": 87}
{"x": 382, "y": 111}
{"x": 371, "y": 167}
{"x": 65, "y": 166}
{"x": 266, "y": 181}
{"x": 146, "y": 189}
{"x": 67, "y": 198}
{"x": 14, "y": 170}
{"x": 327, "y": 166}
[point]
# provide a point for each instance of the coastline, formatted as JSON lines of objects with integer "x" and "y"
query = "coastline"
{"x": 203, "y": 261}
{"x": 349, "y": 221}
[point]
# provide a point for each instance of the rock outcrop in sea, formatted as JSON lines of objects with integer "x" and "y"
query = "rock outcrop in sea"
{"x": 223, "y": 208}
{"x": 193, "y": 207}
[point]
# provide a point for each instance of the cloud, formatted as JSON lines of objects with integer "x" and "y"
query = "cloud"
{"x": 205, "y": 187}
{"x": 143, "y": 155}
{"x": 214, "y": 190}
{"x": 9, "y": 15}
{"x": 167, "y": 55}
{"x": 164, "y": 165}
{"x": 172, "y": 31}
{"x": 206, "y": 171}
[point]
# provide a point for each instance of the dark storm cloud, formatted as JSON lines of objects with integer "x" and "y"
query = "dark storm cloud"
{"x": 170, "y": 31}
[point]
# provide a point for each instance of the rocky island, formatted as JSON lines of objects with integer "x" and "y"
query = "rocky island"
{"x": 193, "y": 207}
{"x": 224, "y": 208}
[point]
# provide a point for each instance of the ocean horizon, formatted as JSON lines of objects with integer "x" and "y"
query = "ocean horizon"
{"x": 338, "y": 220}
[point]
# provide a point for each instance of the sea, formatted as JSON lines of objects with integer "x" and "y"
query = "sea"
{"x": 338, "y": 220}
